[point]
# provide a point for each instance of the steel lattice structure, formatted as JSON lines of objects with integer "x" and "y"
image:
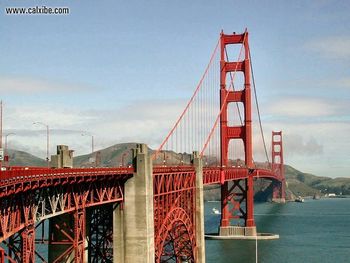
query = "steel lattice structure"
{"x": 174, "y": 217}
{"x": 33, "y": 195}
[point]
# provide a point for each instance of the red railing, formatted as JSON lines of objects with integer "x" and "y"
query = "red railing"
{"x": 214, "y": 175}
{"x": 29, "y": 173}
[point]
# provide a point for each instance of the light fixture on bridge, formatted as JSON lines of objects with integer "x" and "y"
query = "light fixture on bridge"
{"x": 47, "y": 140}
{"x": 92, "y": 140}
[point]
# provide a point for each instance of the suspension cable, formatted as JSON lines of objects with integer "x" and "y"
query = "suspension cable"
{"x": 189, "y": 103}
{"x": 225, "y": 100}
{"x": 257, "y": 107}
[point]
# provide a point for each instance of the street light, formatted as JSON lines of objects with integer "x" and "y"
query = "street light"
{"x": 123, "y": 159}
{"x": 47, "y": 141}
{"x": 6, "y": 135}
{"x": 92, "y": 141}
{"x": 182, "y": 159}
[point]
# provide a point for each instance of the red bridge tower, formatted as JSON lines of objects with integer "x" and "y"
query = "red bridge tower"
{"x": 279, "y": 187}
{"x": 241, "y": 193}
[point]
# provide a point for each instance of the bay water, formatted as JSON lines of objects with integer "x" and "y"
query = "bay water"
{"x": 316, "y": 231}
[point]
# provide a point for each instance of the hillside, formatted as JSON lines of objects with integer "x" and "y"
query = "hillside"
{"x": 306, "y": 184}
{"x": 298, "y": 183}
{"x": 20, "y": 158}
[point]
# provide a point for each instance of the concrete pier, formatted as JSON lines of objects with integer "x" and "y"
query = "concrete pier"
{"x": 237, "y": 231}
{"x": 118, "y": 234}
{"x": 136, "y": 220}
{"x": 200, "y": 241}
{"x": 63, "y": 158}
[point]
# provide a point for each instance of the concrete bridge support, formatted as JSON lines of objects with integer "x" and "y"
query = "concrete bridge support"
{"x": 200, "y": 252}
{"x": 133, "y": 224}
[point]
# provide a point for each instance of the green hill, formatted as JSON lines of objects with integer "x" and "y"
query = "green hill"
{"x": 306, "y": 184}
{"x": 20, "y": 158}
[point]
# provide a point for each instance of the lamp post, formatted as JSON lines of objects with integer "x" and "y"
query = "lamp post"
{"x": 92, "y": 140}
{"x": 123, "y": 159}
{"x": 182, "y": 159}
{"x": 164, "y": 159}
{"x": 5, "y": 152}
{"x": 47, "y": 141}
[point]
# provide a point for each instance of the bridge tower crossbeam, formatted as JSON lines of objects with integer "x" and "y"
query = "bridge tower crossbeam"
{"x": 244, "y": 189}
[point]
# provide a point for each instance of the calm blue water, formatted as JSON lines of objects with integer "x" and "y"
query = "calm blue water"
{"x": 314, "y": 231}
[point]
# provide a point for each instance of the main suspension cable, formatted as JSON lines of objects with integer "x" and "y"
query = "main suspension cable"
{"x": 189, "y": 102}
{"x": 257, "y": 107}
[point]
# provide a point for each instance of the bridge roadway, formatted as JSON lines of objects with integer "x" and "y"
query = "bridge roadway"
{"x": 19, "y": 180}
{"x": 29, "y": 195}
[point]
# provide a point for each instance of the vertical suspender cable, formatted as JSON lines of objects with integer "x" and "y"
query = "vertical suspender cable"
{"x": 257, "y": 107}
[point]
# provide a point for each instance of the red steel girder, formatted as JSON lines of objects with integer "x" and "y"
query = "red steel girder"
{"x": 28, "y": 244}
{"x": 38, "y": 204}
{"x": 174, "y": 213}
{"x": 79, "y": 235}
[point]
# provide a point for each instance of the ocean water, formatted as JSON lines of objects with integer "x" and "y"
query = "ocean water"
{"x": 314, "y": 231}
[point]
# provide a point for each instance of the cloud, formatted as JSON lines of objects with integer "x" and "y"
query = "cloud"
{"x": 295, "y": 144}
{"x": 29, "y": 85}
{"x": 335, "y": 47}
{"x": 141, "y": 121}
{"x": 302, "y": 107}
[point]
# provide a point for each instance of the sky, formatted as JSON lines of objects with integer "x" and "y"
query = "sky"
{"x": 122, "y": 71}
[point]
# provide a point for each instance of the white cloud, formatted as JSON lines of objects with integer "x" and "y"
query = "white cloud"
{"x": 296, "y": 145}
{"x": 330, "y": 47}
{"x": 142, "y": 121}
{"x": 313, "y": 147}
{"x": 302, "y": 107}
{"x": 29, "y": 85}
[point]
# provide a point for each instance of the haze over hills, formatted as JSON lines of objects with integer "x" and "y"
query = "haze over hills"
{"x": 298, "y": 183}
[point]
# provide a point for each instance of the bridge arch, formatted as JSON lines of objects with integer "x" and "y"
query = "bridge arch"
{"x": 175, "y": 238}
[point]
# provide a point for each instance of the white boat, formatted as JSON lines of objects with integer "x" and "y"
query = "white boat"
{"x": 216, "y": 211}
{"x": 299, "y": 199}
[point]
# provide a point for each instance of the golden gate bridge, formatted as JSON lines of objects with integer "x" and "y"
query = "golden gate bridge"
{"x": 152, "y": 211}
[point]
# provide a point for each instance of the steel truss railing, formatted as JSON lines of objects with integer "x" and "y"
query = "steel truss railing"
{"x": 174, "y": 213}
{"x": 31, "y": 196}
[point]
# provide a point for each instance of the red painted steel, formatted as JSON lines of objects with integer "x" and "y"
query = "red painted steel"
{"x": 2, "y": 255}
{"x": 31, "y": 195}
{"x": 243, "y": 133}
{"x": 278, "y": 165}
{"x": 174, "y": 213}
{"x": 79, "y": 235}
{"x": 216, "y": 175}
{"x": 100, "y": 233}
{"x": 28, "y": 244}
